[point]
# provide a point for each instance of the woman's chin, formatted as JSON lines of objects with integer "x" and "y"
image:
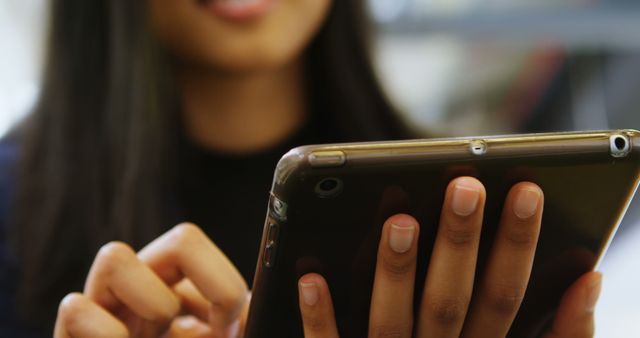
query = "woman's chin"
{"x": 238, "y": 35}
{"x": 243, "y": 64}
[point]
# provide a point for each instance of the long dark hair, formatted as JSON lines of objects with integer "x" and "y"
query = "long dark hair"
{"x": 96, "y": 152}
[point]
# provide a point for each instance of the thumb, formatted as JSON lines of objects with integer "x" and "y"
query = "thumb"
{"x": 575, "y": 315}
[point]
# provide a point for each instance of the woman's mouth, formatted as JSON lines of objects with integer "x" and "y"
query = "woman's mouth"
{"x": 237, "y": 9}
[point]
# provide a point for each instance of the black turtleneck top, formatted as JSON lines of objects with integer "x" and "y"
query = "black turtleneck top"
{"x": 227, "y": 194}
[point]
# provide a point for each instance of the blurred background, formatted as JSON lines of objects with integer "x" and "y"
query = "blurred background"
{"x": 465, "y": 67}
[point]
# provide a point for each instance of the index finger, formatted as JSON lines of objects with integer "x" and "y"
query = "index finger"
{"x": 316, "y": 307}
{"x": 391, "y": 313}
{"x": 185, "y": 251}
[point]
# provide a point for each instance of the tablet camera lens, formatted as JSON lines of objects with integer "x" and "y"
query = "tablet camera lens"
{"x": 328, "y": 184}
{"x": 329, "y": 187}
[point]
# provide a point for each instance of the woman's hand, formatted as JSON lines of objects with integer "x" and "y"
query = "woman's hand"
{"x": 450, "y": 306}
{"x": 180, "y": 285}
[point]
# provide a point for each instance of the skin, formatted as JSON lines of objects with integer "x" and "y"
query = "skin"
{"x": 450, "y": 307}
{"x": 241, "y": 89}
{"x": 228, "y": 72}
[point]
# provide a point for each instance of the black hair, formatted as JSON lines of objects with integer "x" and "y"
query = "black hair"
{"x": 96, "y": 152}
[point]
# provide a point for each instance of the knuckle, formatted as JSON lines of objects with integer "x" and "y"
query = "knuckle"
{"x": 449, "y": 311}
{"x": 241, "y": 292}
{"x": 112, "y": 255}
{"x": 461, "y": 234}
{"x": 505, "y": 300}
{"x": 521, "y": 235}
{"x": 71, "y": 304}
{"x": 73, "y": 313}
{"x": 315, "y": 323}
{"x": 71, "y": 308}
{"x": 390, "y": 331}
{"x": 186, "y": 234}
{"x": 188, "y": 230}
{"x": 397, "y": 267}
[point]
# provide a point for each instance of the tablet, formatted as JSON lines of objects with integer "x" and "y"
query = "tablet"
{"x": 328, "y": 203}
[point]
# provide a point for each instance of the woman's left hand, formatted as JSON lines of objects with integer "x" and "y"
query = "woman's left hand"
{"x": 451, "y": 305}
{"x": 574, "y": 318}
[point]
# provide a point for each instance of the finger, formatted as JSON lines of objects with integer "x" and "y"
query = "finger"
{"x": 189, "y": 327}
{"x": 244, "y": 316}
{"x": 118, "y": 277}
{"x": 509, "y": 266}
{"x": 196, "y": 306}
{"x": 450, "y": 277}
{"x": 79, "y": 317}
{"x": 391, "y": 312}
{"x": 316, "y": 307}
{"x": 193, "y": 302}
{"x": 574, "y": 318}
{"x": 185, "y": 251}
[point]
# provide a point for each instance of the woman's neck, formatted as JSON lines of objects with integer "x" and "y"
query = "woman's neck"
{"x": 242, "y": 114}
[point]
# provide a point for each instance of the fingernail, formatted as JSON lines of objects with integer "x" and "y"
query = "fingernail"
{"x": 593, "y": 293}
{"x": 401, "y": 236}
{"x": 526, "y": 203}
{"x": 309, "y": 292}
{"x": 466, "y": 195}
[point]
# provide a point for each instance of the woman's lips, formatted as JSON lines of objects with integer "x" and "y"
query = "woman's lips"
{"x": 238, "y": 9}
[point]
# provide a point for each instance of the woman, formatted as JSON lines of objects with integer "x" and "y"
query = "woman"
{"x": 158, "y": 112}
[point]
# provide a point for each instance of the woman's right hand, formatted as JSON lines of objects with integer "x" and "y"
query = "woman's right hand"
{"x": 180, "y": 285}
